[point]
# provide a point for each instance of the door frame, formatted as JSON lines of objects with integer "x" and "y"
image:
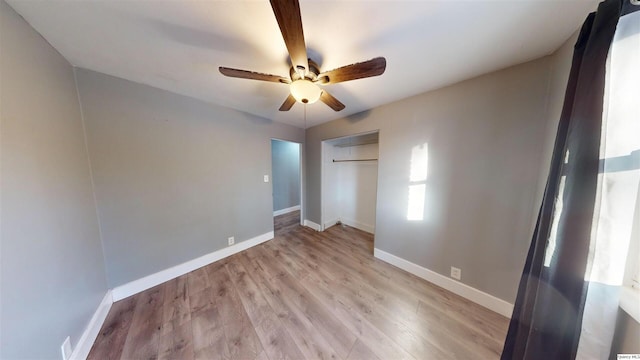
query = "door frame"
{"x": 300, "y": 178}
{"x": 324, "y": 145}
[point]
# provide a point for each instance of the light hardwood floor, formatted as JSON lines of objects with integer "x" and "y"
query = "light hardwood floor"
{"x": 302, "y": 295}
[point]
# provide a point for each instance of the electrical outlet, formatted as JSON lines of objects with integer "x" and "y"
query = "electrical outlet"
{"x": 66, "y": 349}
{"x": 456, "y": 273}
{"x": 266, "y": 178}
{"x": 231, "y": 240}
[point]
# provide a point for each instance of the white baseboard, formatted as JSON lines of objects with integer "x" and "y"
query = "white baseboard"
{"x": 330, "y": 223}
{"x": 88, "y": 337}
{"x": 286, "y": 211}
{"x": 358, "y": 225}
{"x": 311, "y": 224}
{"x": 472, "y": 294}
{"x": 152, "y": 280}
{"x": 353, "y": 223}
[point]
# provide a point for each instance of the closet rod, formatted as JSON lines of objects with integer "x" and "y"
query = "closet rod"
{"x": 370, "y": 142}
{"x": 334, "y": 160}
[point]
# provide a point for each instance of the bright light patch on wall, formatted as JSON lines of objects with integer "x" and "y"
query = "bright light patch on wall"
{"x": 415, "y": 210}
{"x": 419, "y": 163}
{"x": 417, "y": 182}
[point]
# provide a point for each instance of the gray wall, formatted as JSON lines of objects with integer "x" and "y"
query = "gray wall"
{"x": 52, "y": 267}
{"x": 486, "y": 139}
{"x": 285, "y": 165}
{"x": 174, "y": 176}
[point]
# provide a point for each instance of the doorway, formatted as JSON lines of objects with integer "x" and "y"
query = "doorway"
{"x": 349, "y": 181}
{"x": 286, "y": 178}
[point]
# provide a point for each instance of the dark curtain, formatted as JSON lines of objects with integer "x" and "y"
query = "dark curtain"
{"x": 547, "y": 315}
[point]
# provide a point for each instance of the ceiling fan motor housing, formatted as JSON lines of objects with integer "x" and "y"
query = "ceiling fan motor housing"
{"x": 312, "y": 74}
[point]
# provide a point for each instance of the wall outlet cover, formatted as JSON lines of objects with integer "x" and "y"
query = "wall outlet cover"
{"x": 232, "y": 240}
{"x": 266, "y": 178}
{"x": 456, "y": 273}
{"x": 66, "y": 349}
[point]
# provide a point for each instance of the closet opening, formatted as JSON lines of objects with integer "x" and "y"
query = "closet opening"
{"x": 349, "y": 181}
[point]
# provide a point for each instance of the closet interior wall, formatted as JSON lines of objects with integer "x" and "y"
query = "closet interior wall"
{"x": 350, "y": 186}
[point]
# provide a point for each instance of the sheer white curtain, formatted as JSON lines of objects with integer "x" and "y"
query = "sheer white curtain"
{"x": 611, "y": 264}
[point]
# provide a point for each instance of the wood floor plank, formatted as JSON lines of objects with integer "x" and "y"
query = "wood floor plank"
{"x": 144, "y": 333}
{"x": 416, "y": 342}
{"x": 298, "y": 270}
{"x": 385, "y": 346}
{"x": 276, "y": 341}
{"x": 401, "y": 324}
{"x": 176, "y": 340}
{"x": 177, "y": 343}
{"x": 403, "y": 303}
{"x": 484, "y": 323}
{"x": 209, "y": 341}
{"x": 286, "y": 222}
{"x": 176, "y": 309}
{"x": 380, "y": 275}
{"x": 202, "y": 300}
{"x": 361, "y": 352}
{"x": 466, "y": 336}
{"x": 262, "y": 356}
{"x": 302, "y": 295}
{"x": 478, "y": 343}
{"x": 377, "y": 341}
{"x": 198, "y": 280}
{"x": 402, "y": 306}
{"x": 301, "y": 329}
{"x": 254, "y": 302}
{"x": 242, "y": 340}
{"x": 490, "y": 320}
{"x": 297, "y": 297}
{"x": 112, "y": 335}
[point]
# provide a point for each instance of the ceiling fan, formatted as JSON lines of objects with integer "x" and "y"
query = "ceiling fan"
{"x": 305, "y": 75}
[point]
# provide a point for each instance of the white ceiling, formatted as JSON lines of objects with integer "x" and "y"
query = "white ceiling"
{"x": 178, "y": 45}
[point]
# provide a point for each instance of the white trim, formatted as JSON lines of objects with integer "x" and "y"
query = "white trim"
{"x": 286, "y": 210}
{"x": 330, "y": 223}
{"x": 147, "y": 282}
{"x": 479, "y": 297}
{"x": 88, "y": 337}
{"x": 311, "y": 224}
{"x": 358, "y": 225}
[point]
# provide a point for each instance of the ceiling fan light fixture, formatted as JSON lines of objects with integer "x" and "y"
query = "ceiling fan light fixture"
{"x": 305, "y": 91}
{"x": 304, "y": 74}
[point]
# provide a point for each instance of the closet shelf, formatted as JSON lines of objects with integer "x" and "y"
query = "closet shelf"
{"x": 348, "y": 160}
{"x": 359, "y": 143}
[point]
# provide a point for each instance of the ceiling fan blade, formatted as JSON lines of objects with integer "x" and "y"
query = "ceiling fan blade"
{"x": 287, "y": 14}
{"x": 288, "y": 103}
{"x": 333, "y": 103}
{"x": 245, "y": 74}
{"x": 365, "y": 69}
